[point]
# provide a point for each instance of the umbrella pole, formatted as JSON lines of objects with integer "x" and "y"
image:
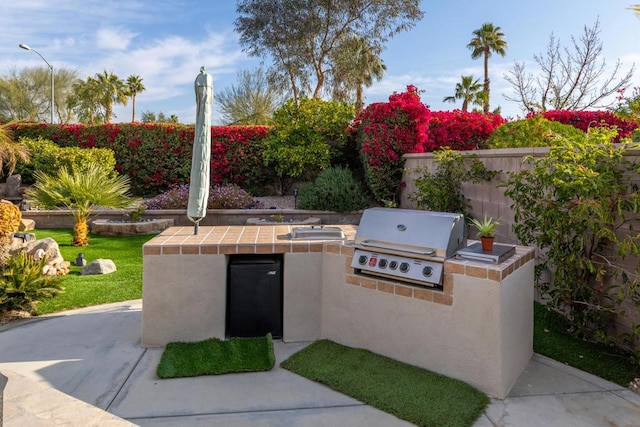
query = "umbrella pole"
{"x": 195, "y": 228}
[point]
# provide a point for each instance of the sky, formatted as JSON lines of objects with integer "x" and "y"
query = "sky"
{"x": 167, "y": 41}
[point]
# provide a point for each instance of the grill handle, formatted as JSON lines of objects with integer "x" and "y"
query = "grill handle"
{"x": 380, "y": 245}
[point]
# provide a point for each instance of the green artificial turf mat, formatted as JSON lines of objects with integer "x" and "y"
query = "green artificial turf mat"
{"x": 215, "y": 357}
{"x": 413, "y": 394}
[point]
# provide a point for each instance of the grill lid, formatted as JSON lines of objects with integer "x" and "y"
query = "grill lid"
{"x": 421, "y": 233}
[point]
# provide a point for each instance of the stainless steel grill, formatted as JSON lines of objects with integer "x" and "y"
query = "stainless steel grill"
{"x": 407, "y": 245}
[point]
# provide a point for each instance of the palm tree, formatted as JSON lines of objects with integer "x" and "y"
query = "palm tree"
{"x": 11, "y": 151}
{"x": 86, "y": 101}
{"x": 112, "y": 89}
{"x": 468, "y": 90}
{"x": 134, "y": 86}
{"x": 357, "y": 63}
{"x": 81, "y": 191}
{"x": 487, "y": 39}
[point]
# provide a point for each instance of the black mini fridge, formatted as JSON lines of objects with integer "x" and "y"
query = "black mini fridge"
{"x": 254, "y": 296}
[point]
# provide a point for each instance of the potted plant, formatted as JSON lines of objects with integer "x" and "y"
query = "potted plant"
{"x": 486, "y": 231}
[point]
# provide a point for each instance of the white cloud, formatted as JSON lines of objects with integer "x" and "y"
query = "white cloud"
{"x": 114, "y": 38}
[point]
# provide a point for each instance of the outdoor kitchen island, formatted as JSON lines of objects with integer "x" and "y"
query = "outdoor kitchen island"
{"x": 478, "y": 327}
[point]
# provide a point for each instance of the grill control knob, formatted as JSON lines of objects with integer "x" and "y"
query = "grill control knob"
{"x": 404, "y": 267}
{"x": 373, "y": 261}
{"x": 382, "y": 263}
{"x": 393, "y": 265}
{"x": 362, "y": 260}
{"x": 427, "y": 271}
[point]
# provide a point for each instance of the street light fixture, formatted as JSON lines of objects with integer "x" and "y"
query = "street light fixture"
{"x": 25, "y": 47}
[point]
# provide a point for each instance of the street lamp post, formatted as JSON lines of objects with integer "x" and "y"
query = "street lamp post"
{"x": 25, "y": 47}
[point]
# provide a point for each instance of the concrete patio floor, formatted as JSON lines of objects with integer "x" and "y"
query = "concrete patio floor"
{"x": 69, "y": 368}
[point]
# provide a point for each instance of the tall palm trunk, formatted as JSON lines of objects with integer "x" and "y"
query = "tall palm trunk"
{"x": 359, "y": 99}
{"x": 133, "y": 109}
{"x": 486, "y": 80}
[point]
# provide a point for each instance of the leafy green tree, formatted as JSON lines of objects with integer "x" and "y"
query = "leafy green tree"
{"x": 300, "y": 36}
{"x": 575, "y": 80}
{"x": 134, "y": 87}
{"x": 487, "y": 40}
{"x": 24, "y": 94}
{"x": 305, "y": 138}
{"x": 357, "y": 64}
{"x": 469, "y": 90}
{"x": 252, "y": 101}
{"x": 112, "y": 90}
{"x": 81, "y": 191}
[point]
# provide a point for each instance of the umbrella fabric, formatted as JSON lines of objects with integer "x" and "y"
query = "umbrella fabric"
{"x": 200, "y": 161}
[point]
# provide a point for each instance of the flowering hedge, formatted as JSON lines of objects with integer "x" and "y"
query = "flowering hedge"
{"x": 157, "y": 156}
{"x": 583, "y": 120}
{"x": 386, "y": 131}
{"x": 461, "y": 130}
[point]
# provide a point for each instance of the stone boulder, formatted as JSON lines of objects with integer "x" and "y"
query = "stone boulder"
{"x": 26, "y": 224}
{"x": 12, "y": 189}
{"x": 44, "y": 248}
{"x": 99, "y": 266}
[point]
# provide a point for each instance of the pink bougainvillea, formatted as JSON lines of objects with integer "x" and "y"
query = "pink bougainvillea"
{"x": 461, "y": 130}
{"x": 583, "y": 120}
{"x": 157, "y": 156}
{"x": 386, "y": 131}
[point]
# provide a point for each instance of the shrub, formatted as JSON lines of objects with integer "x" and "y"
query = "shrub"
{"x": 441, "y": 191}
{"x": 584, "y": 120}
{"x": 22, "y": 283}
{"x": 157, "y": 156}
{"x": 461, "y": 130}
{"x": 336, "y": 190}
{"x": 10, "y": 217}
{"x": 571, "y": 205}
{"x": 386, "y": 131}
{"x": 48, "y": 158}
{"x": 535, "y": 131}
{"x": 307, "y": 137}
{"x": 220, "y": 197}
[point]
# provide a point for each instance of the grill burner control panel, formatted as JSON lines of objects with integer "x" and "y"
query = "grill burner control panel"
{"x": 422, "y": 272}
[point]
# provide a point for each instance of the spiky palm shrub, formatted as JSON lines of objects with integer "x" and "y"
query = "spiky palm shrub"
{"x": 22, "y": 283}
{"x": 10, "y": 151}
{"x": 81, "y": 191}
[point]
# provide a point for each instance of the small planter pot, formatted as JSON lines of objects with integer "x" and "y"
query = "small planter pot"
{"x": 487, "y": 244}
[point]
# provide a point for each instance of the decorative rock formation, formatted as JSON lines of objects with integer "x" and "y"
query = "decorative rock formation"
{"x": 99, "y": 266}
{"x": 44, "y": 248}
{"x": 105, "y": 227}
{"x": 26, "y": 224}
{"x": 12, "y": 189}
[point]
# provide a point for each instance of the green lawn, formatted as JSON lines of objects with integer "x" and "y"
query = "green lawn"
{"x": 550, "y": 338}
{"x": 83, "y": 291}
{"x": 413, "y": 394}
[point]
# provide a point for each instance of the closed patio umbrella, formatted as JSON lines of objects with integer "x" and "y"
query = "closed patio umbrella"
{"x": 200, "y": 161}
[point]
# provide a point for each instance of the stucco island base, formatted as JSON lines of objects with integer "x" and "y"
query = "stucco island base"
{"x": 478, "y": 329}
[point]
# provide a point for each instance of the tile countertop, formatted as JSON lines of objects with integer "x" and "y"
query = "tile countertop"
{"x": 238, "y": 239}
